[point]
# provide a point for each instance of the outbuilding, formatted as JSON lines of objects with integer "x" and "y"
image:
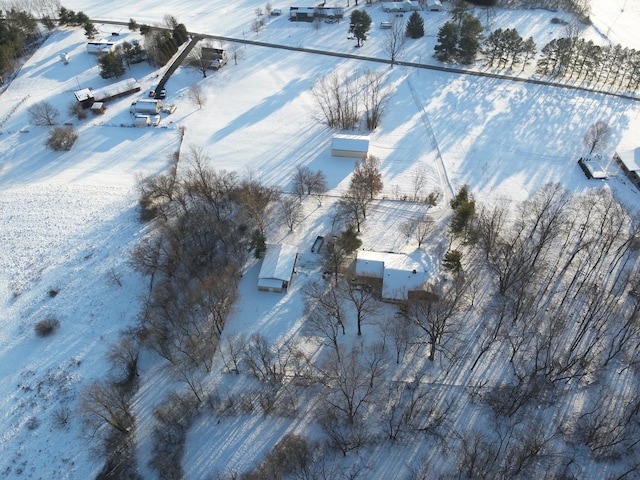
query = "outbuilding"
{"x": 434, "y": 5}
{"x": 146, "y": 106}
{"x": 100, "y": 47}
{"x": 353, "y": 146}
{"x": 277, "y": 267}
{"x": 400, "y": 273}
{"x": 629, "y": 162}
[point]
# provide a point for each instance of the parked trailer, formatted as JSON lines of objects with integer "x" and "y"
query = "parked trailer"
{"x": 146, "y": 106}
{"x": 142, "y": 121}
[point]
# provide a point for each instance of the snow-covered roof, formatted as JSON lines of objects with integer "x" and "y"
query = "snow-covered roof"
{"x": 116, "y": 89}
{"x": 399, "y": 272}
{"x": 278, "y": 262}
{"x": 595, "y": 169}
{"x": 630, "y": 159}
{"x": 83, "y": 94}
{"x": 358, "y": 143}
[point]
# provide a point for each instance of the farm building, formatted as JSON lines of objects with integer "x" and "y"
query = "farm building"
{"x": 100, "y": 47}
{"x": 353, "y": 146}
{"x": 146, "y": 106}
{"x": 142, "y": 121}
{"x": 434, "y": 5}
{"x": 629, "y": 162}
{"x": 307, "y": 14}
{"x": 86, "y": 97}
{"x": 404, "y": 6}
{"x": 277, "y": 267}
{"x": 400, "y": 273}
{"x": 116, "y": 90}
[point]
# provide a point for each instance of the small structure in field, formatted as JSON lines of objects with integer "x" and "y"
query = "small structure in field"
{"x": 277, "y": 267}
{"x": 592, "y": 168}
{"x": 400, "y": 274}
{"x": 142, "y": 121}
{"x": 386, "y": 25}
{"x": 97, "y": 108}
{"x": 84, "y": 97}
{"x": 629, "y": 162}
{"x": 100, "y": 47}
{"x": 64, "y": 56}
{"x": 353, "y": 146}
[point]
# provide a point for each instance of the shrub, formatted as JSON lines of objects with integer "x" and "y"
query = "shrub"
{"x": 47, "y": 327}
{"x": 77, "y": 110}
{"x": 62, "y": 138}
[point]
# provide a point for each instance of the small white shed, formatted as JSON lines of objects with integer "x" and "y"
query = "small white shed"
{"x": 277, "y": 267}
{"x": 353, "y": 146}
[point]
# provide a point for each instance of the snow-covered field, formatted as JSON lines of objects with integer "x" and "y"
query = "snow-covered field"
{"x": 68, "y": 221}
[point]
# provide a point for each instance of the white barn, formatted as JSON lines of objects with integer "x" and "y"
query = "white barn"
{"x": 277, "y": 267}
{"x": 400, "y": 273}
{"x": 353, "y": 146}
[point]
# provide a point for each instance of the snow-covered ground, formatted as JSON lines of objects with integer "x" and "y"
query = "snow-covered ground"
{"x": 68, "y": 220}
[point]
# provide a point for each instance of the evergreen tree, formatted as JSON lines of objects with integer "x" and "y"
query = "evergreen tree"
{"x": 447, "y": 42}
{"x": 453, "y": 261}
{"x": 111, "y": 66}
{"x": 415, "y": 26}
{"x": 459, "y": 9}
{"x": 90, "y": 30}
{"x": 360, "y": 25}
{"x": 469, "y": 41}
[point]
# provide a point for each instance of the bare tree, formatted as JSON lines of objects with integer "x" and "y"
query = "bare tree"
{"x": 199, "y": 58}
{"x": 438, "y": 315}
{"x": 43, "y": 114}
{"x": 363, "y": 299}
{"x": 197, "y": 95}
{"x": 307, "y": 182}
{"x": 374, "y": 98}
{"x": 324, "y": 307}
{"x": 104, "y": 403}
{"x": 123, "y": 357}
{"x": 419, "y": 181}
{"x": 236, "y": 52}
{"x": 394, "y": 38}
{"x": 367, "y": 176}
{"x": 597, "y": 137}
{"x": 419, "y": 228}
{"x": 291, "y": 211}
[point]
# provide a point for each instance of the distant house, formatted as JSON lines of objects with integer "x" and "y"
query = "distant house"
{"x": 307, "y": 14}
{"x": 434, "y": 5}
{"x": 629, "y": 162}
{"x": 354, "y": 146}
{"x": 404, "y": 6}
{"x": 100, "y": 47}
{"x": 216, "y": 56}
{"x": 277, "y": 267}
{"x": 401, "y": 275}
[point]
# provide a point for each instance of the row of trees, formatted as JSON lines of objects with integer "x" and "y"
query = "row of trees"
{"x": 582, "y": 59}
{"x": 341, "y": 99}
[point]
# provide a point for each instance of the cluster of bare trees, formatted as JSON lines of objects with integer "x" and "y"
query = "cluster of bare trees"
{"x": 365, "y": 184}
{"x": 105, "y": 406}
{"x": 580, "y": 59}
{"x": 341, "y": 99}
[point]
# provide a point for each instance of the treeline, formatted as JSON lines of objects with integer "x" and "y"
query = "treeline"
{"x": 18, "y": 29}
{"x": 581, "y": 59}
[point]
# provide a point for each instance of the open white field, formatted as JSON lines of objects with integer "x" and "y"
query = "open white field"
{"x": 68, "y": 220}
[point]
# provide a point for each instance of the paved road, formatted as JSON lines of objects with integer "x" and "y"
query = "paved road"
{"x": 439, "y": 68}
